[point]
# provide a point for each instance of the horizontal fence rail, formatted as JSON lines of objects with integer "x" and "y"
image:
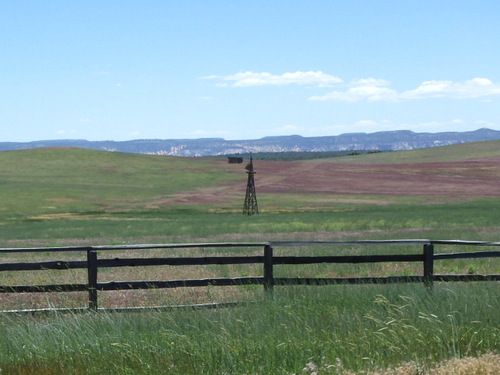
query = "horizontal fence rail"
{"x": 92, "y": 264}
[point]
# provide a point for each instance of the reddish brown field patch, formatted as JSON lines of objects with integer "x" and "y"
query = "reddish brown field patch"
{"x": 471, "y": 178}
{"x": 467, "y": 178}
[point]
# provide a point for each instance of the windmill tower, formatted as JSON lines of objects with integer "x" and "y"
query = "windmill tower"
{"x": 250, "y": 207}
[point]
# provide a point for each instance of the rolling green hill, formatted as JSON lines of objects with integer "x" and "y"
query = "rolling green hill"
{"x": 74, "y": 196}
{"x": 57, "y": 180}
{"x": 457, "y": 152}
{"x": 54, "y": 197}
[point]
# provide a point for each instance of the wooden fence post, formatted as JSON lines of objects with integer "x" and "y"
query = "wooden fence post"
{"x": 268, "y": 269}
{"x": 428, "y": 265}
{"x": 92, "y": 279}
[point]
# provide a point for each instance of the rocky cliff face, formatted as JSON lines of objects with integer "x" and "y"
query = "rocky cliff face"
{"x": 383, "y": 141}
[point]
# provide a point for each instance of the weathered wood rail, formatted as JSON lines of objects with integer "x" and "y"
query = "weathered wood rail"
{"x": 427, "y": 257}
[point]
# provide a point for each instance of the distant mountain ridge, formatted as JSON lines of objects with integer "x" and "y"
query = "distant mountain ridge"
{"x": 383, "y": 141}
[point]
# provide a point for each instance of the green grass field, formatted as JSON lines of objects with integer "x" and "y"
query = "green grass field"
{"x": 338, "y": 328}
{"x": 53, "y": 197}
{"x": 463, "y": 151}
{"x": 72, "y": 196}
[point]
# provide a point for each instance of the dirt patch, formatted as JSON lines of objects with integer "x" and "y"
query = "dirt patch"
{"x": 207, "y": 195}
{"x": 470, "y": 178}
{"x": 455, "y": 179}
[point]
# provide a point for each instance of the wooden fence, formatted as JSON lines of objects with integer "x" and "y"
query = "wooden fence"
{"x": 427, "y": 257}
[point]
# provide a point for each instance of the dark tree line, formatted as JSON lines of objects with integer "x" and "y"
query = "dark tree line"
{"x": 295, "y": 155}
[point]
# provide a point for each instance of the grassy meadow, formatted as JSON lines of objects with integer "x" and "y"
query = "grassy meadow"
{"x": 339, "y": 329}
{"x": 76, "y": 196}
{"x": 56, "y": 197}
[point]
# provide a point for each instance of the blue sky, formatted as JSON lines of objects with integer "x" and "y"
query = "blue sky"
{"x": 120, "y": 70}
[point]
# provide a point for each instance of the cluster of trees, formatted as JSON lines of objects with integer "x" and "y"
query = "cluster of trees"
{"x": 296, "y": 155}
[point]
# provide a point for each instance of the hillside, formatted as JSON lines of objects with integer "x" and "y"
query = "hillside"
{"x": 459, "y": 152}
{"x": 78, "y": 181}
{"x": 78, "y": 196}
{"x": 471, "y": 170}
{"x": 385, "y": 141}
{"x": 57, "y": 181}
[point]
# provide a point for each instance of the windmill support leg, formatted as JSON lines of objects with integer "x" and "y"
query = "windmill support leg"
{"x": 250, "y": 207}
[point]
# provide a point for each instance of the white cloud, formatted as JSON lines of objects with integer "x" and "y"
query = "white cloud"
{"x": 248, "y": 79}
{"x": 368, "y": 92}
{"x": 372, "y": 89}
{"x": 363, "y": 89}
{"x": 474, "y": 88}
{"x": 370, "y": 82}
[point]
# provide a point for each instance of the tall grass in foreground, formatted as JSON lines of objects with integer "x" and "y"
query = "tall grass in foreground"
{"x": 355, "y": 328}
